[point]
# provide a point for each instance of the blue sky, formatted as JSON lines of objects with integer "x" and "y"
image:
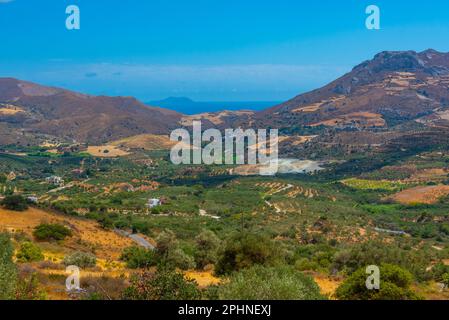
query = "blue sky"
{"x": 221, "y": 50}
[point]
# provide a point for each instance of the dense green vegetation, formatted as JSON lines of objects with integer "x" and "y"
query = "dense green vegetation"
{"x": 13, "y": 284}
{"x": 395, "y": 285}
{"x": 260, "y": 233}
{"x": 8, "y": 271}
{"x": 15, "y": 202}
{"x": 270, "y": 283}
{"x": 137, "y": 257}
{"x": 162, "y": 285}
{"x": 206, "y": 251}
{"x": 29, "y": 252}
{"x": 51, "y": 232}
{"x": 244, "y": 250}
{"x": 81, "y": 260}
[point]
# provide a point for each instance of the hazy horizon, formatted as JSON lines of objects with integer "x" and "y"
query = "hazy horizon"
{"x": 189, "y": 106}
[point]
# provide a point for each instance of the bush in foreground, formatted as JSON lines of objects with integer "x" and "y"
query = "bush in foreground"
{"x": 207, "y": 245}
{"x": 270, "y": 283}
{"x": 164, "y": 284}
{"x": 244, "y": 250}
{"x": 29, "y": 252}
{"x": 169, "y": 253}
{"x": 8, "y": 271}
{"x": 137, "y": 257}
{"x": 395, "y": 284}
{"x": 81, "y": 260}
{"x": 376, "y": 253}
{"x": 15, "y": 286}
{"x": 28, "y": 288}
{"x": 15, "y": 203}
{"x": 46, "y": 232}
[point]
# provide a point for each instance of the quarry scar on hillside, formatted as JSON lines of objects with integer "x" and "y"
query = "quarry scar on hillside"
{"x": 234, "y": 140}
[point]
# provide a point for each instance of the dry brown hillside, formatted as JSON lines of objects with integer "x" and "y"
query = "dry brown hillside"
{"x": 85, "y": 118}
{"x": 87, "y": 234}
{"x": 401, "y": 85}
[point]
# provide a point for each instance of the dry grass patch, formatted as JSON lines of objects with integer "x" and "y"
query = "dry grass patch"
{"x": 203, "y": 278}
{"x": 421, "y": 194}
{"x": 106, "y": 151}
{"x": 146, "y": 141}
{"x": 10, "y": 110}
{"x": 214, "y": 117}
{"x": 362, "y": 119}
{"x": 327, "y": 285}
{"x": 87, "y": 234}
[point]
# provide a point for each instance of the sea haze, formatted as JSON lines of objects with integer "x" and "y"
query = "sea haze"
{"x": 188, "y": 106}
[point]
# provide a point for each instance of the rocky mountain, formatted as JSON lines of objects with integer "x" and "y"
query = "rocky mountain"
{"x": 27, "y": 109}
{"x": 392, "y": 88}
{"x": 395, "y": 100}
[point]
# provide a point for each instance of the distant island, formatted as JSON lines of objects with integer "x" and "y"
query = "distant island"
{"x": 188, "y": 106}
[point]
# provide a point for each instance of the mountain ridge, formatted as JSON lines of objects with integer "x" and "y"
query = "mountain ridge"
{"x": 392, "y": 91}
{"x": 387, "y": 81}
{"x": 75, "y": 116}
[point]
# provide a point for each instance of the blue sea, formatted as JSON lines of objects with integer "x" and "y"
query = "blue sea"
{"x": 188, "y": 106}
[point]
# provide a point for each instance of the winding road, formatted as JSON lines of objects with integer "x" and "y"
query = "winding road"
{"x": 136, "y": 238}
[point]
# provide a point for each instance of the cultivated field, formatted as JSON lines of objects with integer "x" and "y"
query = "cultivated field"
{"x": 421, "y": 194}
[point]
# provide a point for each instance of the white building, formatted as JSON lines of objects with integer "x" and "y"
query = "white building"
{"x": 152, "y": 203}
{"x": 33, "y": 199}
{"x": 55, "y": 180}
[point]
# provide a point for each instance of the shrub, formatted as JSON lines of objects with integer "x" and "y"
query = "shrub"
{"x": 51, "y": 232}
{"x": 109, "y": 288}
{"x": 376, "y": 252}
{"x": 137, "y": 257}
{"x": 8, "y": 271}
{"x": 395, "y": 284}
{"x": 164, "y": 284}
{"x": 438, "y": 271}
{"x": 445, "y": 280}
{"x": 270, "y": 283}
{"x": 314, "y": 257}
{"x": 305, "y": 264}
{"x": 244, "y": 250}
{"x": 170, "y": 254}
{"x": 15, "y": 203}
{"x": 166, "y": 242}
{"x": 81, "y": 260}
{"x": 29, "y": 252}
{"x": 106, "y": 222}
{"x": 177, "y": 258}
{"x": 156, "y": 210}
{"x": 207, "y": 245}
{"x": 28, "y": 288}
